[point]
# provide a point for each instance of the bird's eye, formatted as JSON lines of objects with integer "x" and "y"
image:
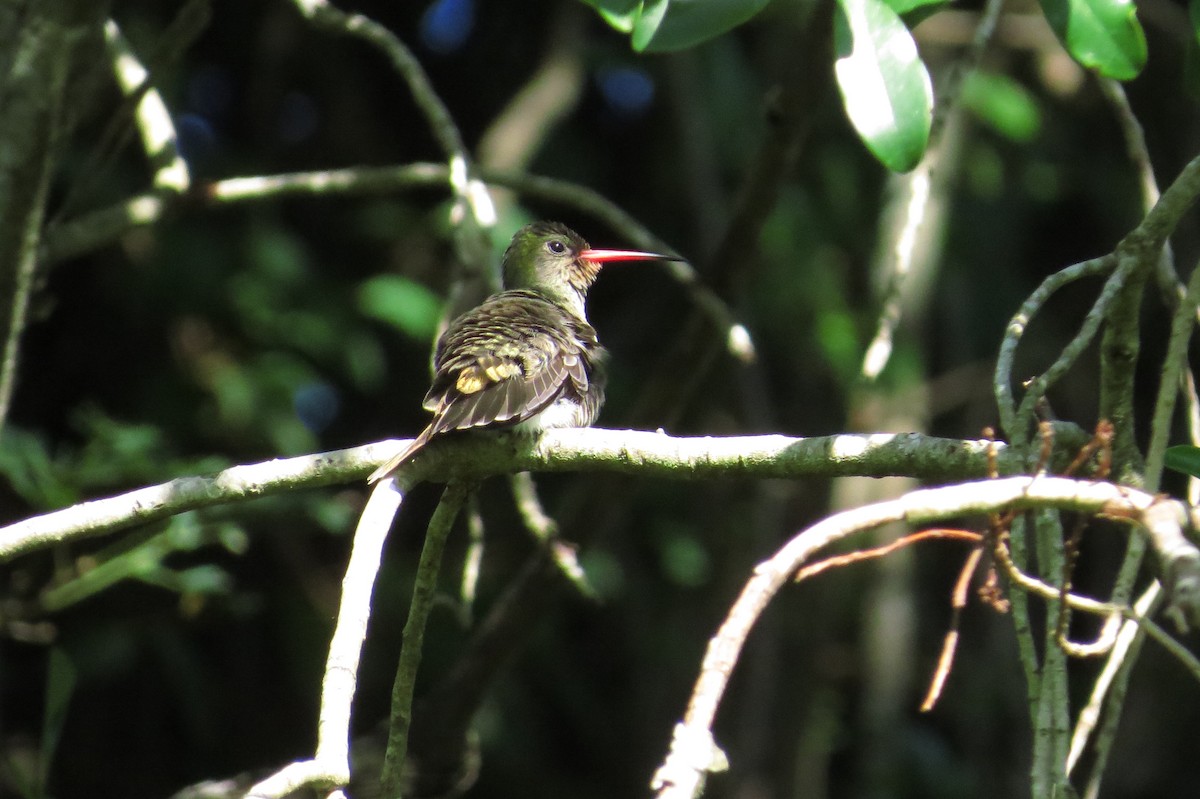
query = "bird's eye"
{"x": 555, "y": 246}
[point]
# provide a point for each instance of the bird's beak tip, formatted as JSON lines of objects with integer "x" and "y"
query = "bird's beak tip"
{"x": 609, "y": 256}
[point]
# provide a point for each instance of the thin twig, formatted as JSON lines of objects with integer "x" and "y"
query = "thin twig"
{"x": 1115, "y": 675}
{"x": 1125, "y": 648}
{"x": 1173, "y": 374}
{"x": 159, "y": 139}
{"x": 838, "y": 561}
{"x": 1142, "y": 243}
{"x": 545, "y": 531}
{"x": 1036, "y": 388}
{"x": 915, "y": 216}
{"x": 474, "y": 214}
{"x": 32, "y": 131}
{"x": 958, "y": 601}
{"x": 693, "y": 752}
{"x": 424, "y": 591}
{"x": 97, "y": 228}
{"x": 143, "y": 108}
{"x": 472, "y": 563}
{"x": 1003, "y": 377}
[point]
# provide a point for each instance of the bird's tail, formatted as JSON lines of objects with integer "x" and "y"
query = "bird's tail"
{"x": 398, "y": 460}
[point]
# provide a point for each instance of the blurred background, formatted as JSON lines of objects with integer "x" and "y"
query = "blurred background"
{"x": 242, "y": 332}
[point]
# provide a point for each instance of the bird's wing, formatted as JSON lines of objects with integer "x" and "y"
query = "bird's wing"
{"x": 504, "y": 362}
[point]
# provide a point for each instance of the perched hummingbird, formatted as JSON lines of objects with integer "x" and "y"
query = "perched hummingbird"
{"x": 526, "y": 357}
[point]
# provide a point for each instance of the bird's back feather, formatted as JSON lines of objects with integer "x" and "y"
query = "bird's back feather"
{"x": 506, "y": 361}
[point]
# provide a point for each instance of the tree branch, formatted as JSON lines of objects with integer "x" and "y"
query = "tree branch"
{"x": 567, "y": 450}
{"x": 330, "y": 767}
{"x": 693, "y": 752}
{"x": 414, "y": 634}
{"x": 32, "y": 95}
{"x": 97, "y": 228}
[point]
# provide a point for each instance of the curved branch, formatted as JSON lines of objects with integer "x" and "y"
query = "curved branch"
{"x": 424, "y": 591}
{"x": 693, "y": 751}
{"x": 1012, "y": 418}
{"x": 330, "y": 767}
{"x": 32, "y": 127}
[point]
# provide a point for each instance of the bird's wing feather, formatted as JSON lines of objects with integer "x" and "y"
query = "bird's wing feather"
{"x": 502, "y": 363}
{"x": 488, "y": 372}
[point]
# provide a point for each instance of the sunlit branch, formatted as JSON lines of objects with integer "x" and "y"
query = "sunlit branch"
{"x": 917, "y": 214}
{"x": 694, "y": 752}
{"x": 159, "y": 140}
{"x": 330, "y": 767}
{"x": 567, "y": 450}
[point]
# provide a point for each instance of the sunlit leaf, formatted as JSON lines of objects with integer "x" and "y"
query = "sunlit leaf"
{"x": 402, "y": 303}
{"x": 1104, "y": 35}
{"x": 646, "y": 24}
{"x": 884, "y": 84}
{"x": 665, "y": 25}
{"x": 1002, "y": 103}
{"x": 1184, "y": 459}
{"x": 620, "y": 14}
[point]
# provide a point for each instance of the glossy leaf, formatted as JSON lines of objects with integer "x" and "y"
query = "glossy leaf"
{"x": 646, "y": 23}
{"x": 666, "y": 25}
{"x": 884, "y": 84}
{"x": 1104, "y": 35}
{"x": 685, "y": 23}
{"x": 620, "y": 14}
{"x": 1184, "y": 459}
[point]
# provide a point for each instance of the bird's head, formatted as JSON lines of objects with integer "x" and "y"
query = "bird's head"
{"x": 552, "y": 259}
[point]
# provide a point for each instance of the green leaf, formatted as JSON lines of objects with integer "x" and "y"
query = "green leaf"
{"x": 916, "y": 11}
{"x": 1184, "y": 459}
{"x": 884, "y": 84}
{"x": 658, "y": 26}
{"x": 647, "y": 21}
{"x": 1002, "y": 103}
{"x": 402, "y": 303}
{"x": 1104, "y": 35}
{"x": 620, "y": 14}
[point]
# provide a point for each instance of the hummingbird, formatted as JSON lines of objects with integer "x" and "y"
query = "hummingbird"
{"x": 526, "y": 358}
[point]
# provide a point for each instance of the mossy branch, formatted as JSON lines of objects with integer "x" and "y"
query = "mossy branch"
{"x": 473, "y": 457}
